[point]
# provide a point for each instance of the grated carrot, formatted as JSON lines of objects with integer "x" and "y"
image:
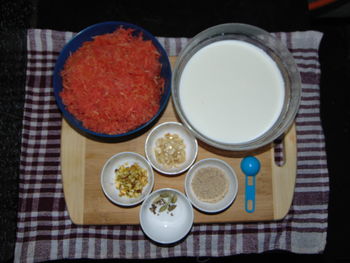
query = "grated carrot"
{"x": 112, "y": 83}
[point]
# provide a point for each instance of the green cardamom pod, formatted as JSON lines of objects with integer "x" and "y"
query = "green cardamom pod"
{"x": 174, "y": 198}
{"x": 163, "y": 208}
{"x": 171, "y": 207}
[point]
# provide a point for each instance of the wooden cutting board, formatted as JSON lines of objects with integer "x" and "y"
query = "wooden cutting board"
{"x": 82, "y": 160}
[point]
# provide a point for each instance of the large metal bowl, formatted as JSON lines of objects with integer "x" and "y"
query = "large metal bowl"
{"x": 274, "y": 49}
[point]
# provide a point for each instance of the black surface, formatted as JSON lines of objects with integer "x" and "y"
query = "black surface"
{"x": 174, "y": 18}
{"x": 181, "y": 18}
{"x": 335, "y": 115}
{"x": 12, "y": 80}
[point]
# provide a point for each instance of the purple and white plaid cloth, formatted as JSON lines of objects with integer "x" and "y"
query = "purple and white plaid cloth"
{"x": 45, "y": 231}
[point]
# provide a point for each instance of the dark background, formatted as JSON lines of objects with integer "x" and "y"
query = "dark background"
{"x": 185, "y": 19}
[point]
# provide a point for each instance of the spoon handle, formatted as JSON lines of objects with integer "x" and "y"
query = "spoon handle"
{"x": 250, "y": 194}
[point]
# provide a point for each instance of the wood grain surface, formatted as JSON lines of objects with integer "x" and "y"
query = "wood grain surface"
{"x": 82, "y": 160}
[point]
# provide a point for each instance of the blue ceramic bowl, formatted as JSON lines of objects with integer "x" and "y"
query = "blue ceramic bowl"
{"x": 87, "y": 35}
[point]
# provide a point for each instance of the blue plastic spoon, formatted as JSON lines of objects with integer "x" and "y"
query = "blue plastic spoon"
{"x": 250, "y": 167}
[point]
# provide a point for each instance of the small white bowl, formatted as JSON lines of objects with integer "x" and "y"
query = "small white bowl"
{"x": 189, "y": 140}
{"x": 108, "y": 177}
{"x": 229, "y": 196}
{"x": 167, "y": 227}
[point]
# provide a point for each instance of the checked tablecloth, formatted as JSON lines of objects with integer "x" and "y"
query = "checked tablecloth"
{"x": 45, "y": 231}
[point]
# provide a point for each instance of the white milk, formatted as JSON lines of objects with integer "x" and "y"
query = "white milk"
{"x": 231, "y": 91}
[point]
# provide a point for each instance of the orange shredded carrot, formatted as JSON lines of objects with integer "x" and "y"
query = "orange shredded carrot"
{"x": 112, "y": 83}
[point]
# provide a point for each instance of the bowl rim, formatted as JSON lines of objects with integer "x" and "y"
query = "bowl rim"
{"x": 190, "y": 175}
{"x": 185, "y": 168}
{"x": 65, "y": 52}
{"x": 190, "y": 210}
{"x": 151, "y": 176}
{"x": 219, "y": 30}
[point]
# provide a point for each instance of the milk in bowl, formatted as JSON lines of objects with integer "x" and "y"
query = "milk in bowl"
{"x": 231, "y": 91}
